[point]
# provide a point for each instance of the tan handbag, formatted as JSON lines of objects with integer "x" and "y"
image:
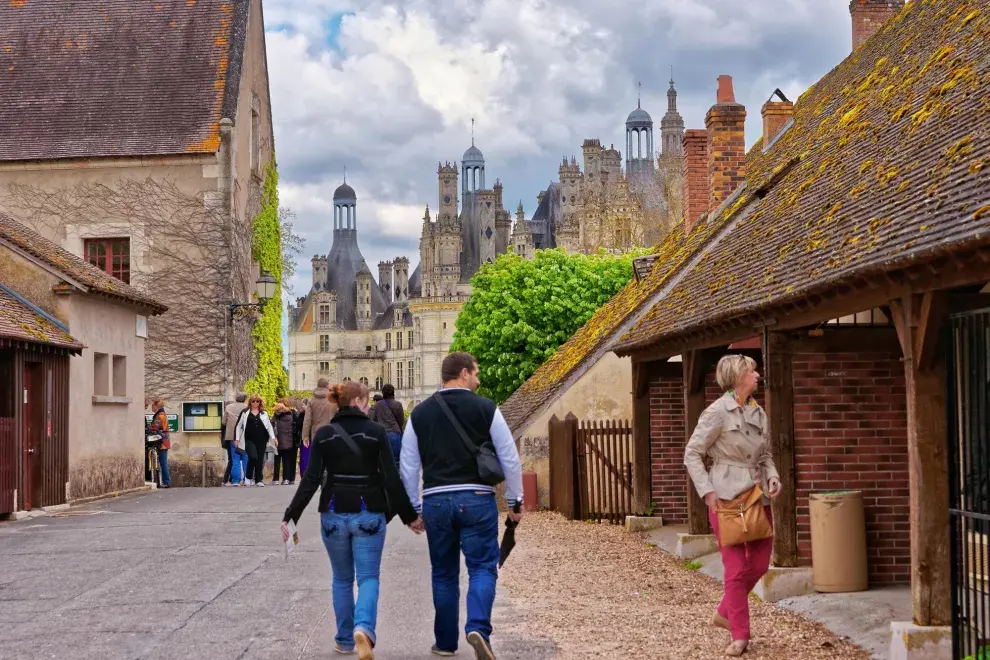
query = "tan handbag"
{"x": 743, "y": 519}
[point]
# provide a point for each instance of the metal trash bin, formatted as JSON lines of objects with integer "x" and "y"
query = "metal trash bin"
{"x": 838, "y": 542}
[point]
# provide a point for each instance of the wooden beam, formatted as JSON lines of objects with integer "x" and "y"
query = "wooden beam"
{"x": 931, "y": 315}
{"x": 642, "y": 454}
{"x": 780, "y": 411}
{"x": 927, "y": 465}
{"x": 694, "y": 405}
{"x": 837, "y": 338}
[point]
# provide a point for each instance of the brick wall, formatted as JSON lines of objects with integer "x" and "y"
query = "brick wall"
{"x": 868, "y": 16}
{"x": 667, "y": 441}
{"x": 694, "y": 181}
{"x": 850, "y": 433}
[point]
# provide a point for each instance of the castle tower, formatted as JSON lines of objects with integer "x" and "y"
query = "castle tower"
{"x": 639, "y": 141}
{"x": 472, "y": 170}
{"x": 612, "y": 160}
{"x": 503, "y": 222}
{"x": 672, "y": 126}
{"x": 319, "y": 269}
{"x": 522, "y": 238}
{"x": 385, "y": 280}
{"x": 401, "y": 274}
{"x": 570, "y": 188}
{"x": 487, "y": 240}
{"x": 592, "y": 151}
{"x": 447, "y": 185}
{"x": 362, "y": 306}
{"x": 344, "y": 208}
{"x": 426, "y": 240}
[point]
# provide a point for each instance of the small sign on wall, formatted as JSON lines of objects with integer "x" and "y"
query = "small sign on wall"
{"x": 142, "y": 326}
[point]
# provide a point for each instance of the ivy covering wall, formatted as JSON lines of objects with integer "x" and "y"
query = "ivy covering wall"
{"x": 270, "y": 381}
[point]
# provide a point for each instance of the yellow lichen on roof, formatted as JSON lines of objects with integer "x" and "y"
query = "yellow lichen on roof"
{"x": 221, "y": 40}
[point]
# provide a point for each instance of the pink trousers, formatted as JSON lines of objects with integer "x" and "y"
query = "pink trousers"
{"x": 744, "y": 566}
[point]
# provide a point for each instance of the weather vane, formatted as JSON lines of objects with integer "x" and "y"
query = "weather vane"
{"x": 345, "y": 173}
{"x": 472, "y": 131}
{"x": 639, "y": 94}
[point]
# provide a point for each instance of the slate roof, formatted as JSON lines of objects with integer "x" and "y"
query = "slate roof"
{"x": 387, "y": 320}
{"x": 416, "y": 282}
{"x": 887, "y": 165}
{"x": 22, "y": 321}
{"x": 547, "y": 218}
{"x": 344, "y": 262}
{"x": 74, "y": 267}
{"x": 117, "y": 77}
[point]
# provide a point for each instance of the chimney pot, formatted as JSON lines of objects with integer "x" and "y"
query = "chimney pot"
{"x": 725, "y": 93}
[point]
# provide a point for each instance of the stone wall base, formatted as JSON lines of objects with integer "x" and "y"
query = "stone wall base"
{"x": 780, "y": 583}
{"x": 909, "y": 641}
{"x": 692, "y": 546}
{"x": 643, "y": 523}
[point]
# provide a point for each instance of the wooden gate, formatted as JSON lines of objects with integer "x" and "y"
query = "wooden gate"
{"x": 591, "y": 469}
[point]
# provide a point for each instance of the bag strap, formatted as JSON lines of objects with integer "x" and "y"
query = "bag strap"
{"x": 348, "y": 440}
{"x": 473, "y": 448}
{"x": 392, "y": 413}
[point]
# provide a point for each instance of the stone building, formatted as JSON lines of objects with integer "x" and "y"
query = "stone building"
{"x": 604, "y": 205}
{"x": 136, "y": 136}
{"x": 399, "y": 328}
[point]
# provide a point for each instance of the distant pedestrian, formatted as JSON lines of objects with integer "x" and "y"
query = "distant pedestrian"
{"x": 230, "y": 415}
{"x": 254, "y": 433}
{"x": 733, "y": 432}
{"x": 286, "y": 456}
{"x": 352, "y": 461}
{"x": 319, "y": 412}
{"x": 388, "y": 412}
{"x": 442, "y": 442}
{"x": 159, "y": 427}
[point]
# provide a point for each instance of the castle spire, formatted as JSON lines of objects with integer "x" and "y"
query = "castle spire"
{"x": 639, "y": 94}
{"x": 472, "y": 131}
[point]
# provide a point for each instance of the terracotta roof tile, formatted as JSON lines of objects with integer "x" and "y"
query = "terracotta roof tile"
{"x": 117, "y": 77}
{"x": 21, "y": 321}
{"x": 72, "y": 266}
{"x": 886, "y": 164}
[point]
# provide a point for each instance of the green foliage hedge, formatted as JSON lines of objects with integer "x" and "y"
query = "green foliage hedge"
{"x": 521, "y": 311}
{"x": 270, "y": 380}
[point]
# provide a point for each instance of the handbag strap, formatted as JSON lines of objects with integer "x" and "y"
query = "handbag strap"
{"x": 346, "y": 437}
{"x": 473, "y": 448}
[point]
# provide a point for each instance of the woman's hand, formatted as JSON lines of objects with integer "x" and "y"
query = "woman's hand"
{"x": 711, "y": 499}
{"x": 285, "y": 532}
{"x": 775, "y": 488}
{"x": 417, "y": 526}
{"x": 306, "y": 443}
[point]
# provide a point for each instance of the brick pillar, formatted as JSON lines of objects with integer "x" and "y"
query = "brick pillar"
{"x": 775, "y": 115}
{"x": 726, "y": 123}
{"x": 868, "y": 16}
{"x": 694, "y": 181}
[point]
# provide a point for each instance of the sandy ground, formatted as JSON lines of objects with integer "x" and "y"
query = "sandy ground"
{"x": 600, "y": 592}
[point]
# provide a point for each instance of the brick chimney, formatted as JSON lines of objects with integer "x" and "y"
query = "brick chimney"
{"x": 695, "y": 176}
{"x": 868, "y": 16}
{"x": 775, "y": 115}
{"x": 726, "y": 123}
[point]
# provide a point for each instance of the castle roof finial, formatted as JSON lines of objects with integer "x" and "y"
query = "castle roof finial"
{"x": 639, "y": 94}
{"x": 472, "y": 131}
{"x": 345, "y": 173}
{"x": 672, "y": 76}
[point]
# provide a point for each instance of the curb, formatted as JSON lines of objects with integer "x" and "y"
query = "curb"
{"x": 107, "y": 496}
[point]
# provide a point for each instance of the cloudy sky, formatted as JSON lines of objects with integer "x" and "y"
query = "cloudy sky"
{"x": 388, "y": 88}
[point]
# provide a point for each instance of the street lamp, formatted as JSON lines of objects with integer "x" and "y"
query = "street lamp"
{"x": 264, "y": 289}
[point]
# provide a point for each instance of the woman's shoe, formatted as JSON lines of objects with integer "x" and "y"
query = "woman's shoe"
{"x": 285, "y": 482}
{"x": 260, "y": 483}
{"x": 736, "y": 648}
{"x": 362, "y": 643}
{"x": 720, "y": 621}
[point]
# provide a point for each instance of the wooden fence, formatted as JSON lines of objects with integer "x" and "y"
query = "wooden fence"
{"x": 8, "y": 466}
{"x": 592, "y": 469}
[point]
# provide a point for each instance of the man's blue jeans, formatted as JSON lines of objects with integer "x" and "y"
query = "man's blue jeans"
{"x": 238, "y": 468}
{"x": 395, "y": 443}
{"x": 354, "y": 542}
{"x": 464, "y": 521}
{"x": 163, "y": 466}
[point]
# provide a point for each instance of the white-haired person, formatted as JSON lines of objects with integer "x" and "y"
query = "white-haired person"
{"x": 734, "y": 432}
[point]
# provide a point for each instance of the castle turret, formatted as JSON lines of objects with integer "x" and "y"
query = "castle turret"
{"x": 385, "y": 280}
{"x": 639, "y": 141}
{"x": 522, "y": 237}
{"x": 362, "y": 307}
{"x": 319, "y": 269}
{"x": 447, "y": 188}
{"x": 401, "y": 278}
{"x": 488, "y": 239}
{"x": 672, "y": 126}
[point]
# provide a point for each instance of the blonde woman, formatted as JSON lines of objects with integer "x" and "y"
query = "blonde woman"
{"x": 733, "y": 432}
{"x": 254, "y": 432}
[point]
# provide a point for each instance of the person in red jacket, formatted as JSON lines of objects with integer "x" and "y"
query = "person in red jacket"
{"x": 159, "y": 426}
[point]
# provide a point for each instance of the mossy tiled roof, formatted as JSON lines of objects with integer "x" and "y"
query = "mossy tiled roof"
{"x": 22, "y": 322}
{"x": 887, "y": 164}
{"x": 72, "y": 266}
{"x": 117, "y": 77}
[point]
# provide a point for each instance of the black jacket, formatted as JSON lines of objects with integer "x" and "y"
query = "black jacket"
{"x": 350, "y": 478}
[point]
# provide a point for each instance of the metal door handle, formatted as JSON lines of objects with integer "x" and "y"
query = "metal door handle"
{"x": 30, "y": 451}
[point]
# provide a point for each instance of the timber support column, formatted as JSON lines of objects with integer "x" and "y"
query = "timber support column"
{"x": 778, "y": 360}
{"x": 919, "y": 319}
{"x": 642, "y": 455}
{"x": 694, "y": 405}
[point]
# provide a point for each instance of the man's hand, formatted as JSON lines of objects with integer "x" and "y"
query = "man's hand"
{"x": 305, "y": 443}
{"x": 516, "y": 517}
{"x": 774, "y": 488}
{"x": 417, "y": 526}
{"x": 285, "y": 532}
{"x": 711, "y": 499}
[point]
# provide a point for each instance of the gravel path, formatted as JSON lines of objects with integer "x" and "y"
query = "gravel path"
{"x": 600, "y": 592}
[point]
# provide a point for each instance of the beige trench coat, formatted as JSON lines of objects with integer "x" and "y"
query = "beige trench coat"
{"x": 737, "y": 439}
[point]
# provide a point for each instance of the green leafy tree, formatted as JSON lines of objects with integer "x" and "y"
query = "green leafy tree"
{"x": 521, "y": 311}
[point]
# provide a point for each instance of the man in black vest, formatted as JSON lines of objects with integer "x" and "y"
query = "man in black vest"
{"x": 458, "y": 509}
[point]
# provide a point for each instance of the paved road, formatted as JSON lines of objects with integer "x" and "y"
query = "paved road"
{"x": 200, "y": 573}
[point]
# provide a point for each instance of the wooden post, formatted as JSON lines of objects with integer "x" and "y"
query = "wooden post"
{"x": 694, "y": 405}
{"x": 642, "y": 455}
{"x": 562, "y": 468}
{"x": 918, "y": 320}
{"x": 778, "y": 360}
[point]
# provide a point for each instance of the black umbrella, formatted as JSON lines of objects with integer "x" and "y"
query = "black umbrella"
{"x": 509, "y": 538}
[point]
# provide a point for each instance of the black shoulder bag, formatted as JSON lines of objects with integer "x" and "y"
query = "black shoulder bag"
{"x": 349, "y": 441}
{"x": 489, "y": 468}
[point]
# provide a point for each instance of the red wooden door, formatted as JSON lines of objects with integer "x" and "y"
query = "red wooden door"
{"x": 34, "y": 429}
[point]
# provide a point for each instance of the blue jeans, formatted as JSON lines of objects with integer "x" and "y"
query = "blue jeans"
{"x": 395, "y": 442}
{"x": 354, "y": 542}
{"x": 163, "y": 466}
{"x": 464, "y": 521}
{"x": 238, "y": 467}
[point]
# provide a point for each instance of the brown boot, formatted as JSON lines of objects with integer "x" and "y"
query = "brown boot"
{"x": 736, "y": 648}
